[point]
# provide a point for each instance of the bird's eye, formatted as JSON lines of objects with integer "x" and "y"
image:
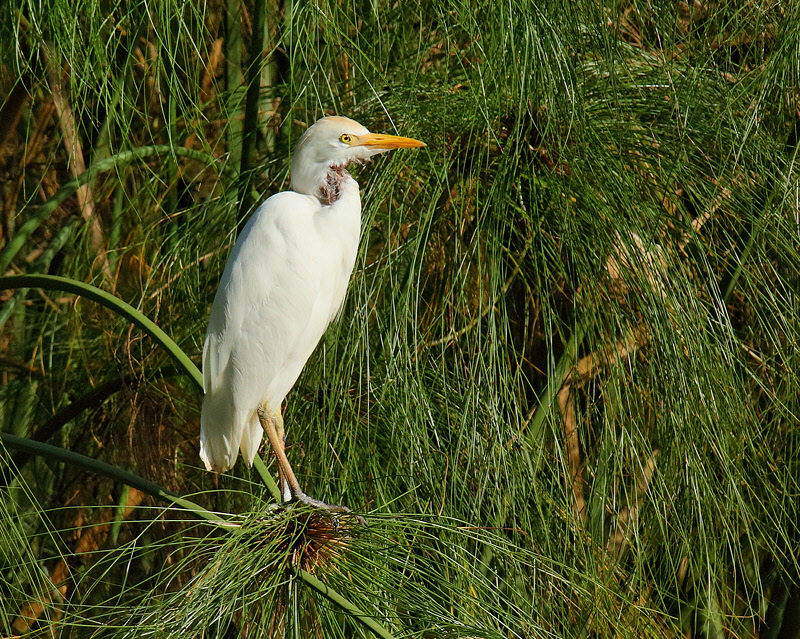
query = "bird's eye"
{"x": 347, "y": 139}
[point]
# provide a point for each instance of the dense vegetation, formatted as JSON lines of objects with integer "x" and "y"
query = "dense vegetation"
{"x": 563, "y": 390}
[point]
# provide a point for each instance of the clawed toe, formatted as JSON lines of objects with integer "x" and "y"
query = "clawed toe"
{"x": 335, "y": 510}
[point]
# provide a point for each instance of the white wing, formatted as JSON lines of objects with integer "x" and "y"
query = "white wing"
{"x": 285, "y": 278}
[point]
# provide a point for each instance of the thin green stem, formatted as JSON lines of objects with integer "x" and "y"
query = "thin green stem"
{"x": 269, "y": 482}
{"x": 92, "y": 399}
{"x": 233, "y": 78}
{"x": 345, "y": 604}
{"x": 250, "y": 124}
{"x": 535, "y": 436}
{"x": 44, "y": 211}
{"x": 112, "y": 472}
{"x": 115, "y": 304}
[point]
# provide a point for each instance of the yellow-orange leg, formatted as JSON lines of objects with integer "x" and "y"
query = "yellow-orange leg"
{"x": 272, "y": 423}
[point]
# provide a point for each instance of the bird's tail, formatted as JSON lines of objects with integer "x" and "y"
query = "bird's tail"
{"x": 220, "y": 433}
{"x": 223, "y": 431}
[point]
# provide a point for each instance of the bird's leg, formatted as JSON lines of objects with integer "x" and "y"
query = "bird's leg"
{"x": 270, "y": 425}
{"x": 286, "y": 492}
{"x": 274, "y": 429}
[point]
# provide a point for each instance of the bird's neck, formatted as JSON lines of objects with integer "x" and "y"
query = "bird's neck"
{"x": 331, "y": 190}
{"x": 323, "y": 182}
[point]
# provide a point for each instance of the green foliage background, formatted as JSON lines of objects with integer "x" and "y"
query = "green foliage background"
{"x": 563, "y": 388}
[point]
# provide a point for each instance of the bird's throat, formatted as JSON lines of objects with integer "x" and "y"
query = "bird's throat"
{"x": 331, "y": 190}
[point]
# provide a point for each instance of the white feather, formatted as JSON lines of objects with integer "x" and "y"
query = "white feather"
{"x": 284, "y": 282}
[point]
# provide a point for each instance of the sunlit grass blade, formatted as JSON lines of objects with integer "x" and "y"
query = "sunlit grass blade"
{"x": 44, "y": 211}
{"x": 121, "y": 308}
{"x": 128, "y": 312}
{"x": 564, "y": 382}
{"x": 112, "y": 472}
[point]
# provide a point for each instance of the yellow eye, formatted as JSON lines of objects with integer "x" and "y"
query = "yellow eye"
{"x": 346, "y": 138}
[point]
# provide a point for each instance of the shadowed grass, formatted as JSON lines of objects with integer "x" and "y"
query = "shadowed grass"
{"x": 564, "y": 380}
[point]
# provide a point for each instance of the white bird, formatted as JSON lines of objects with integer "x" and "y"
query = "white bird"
{"x": 284, "y": 282}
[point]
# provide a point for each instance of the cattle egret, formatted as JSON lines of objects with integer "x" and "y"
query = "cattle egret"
{"x": 284, "y": 282}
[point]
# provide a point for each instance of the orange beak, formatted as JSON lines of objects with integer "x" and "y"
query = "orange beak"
{"x": 378, "y": 141}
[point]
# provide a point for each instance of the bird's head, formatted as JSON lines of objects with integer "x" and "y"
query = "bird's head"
{"x": 330, "y": 145}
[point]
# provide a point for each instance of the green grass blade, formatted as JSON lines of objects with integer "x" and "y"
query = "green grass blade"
{"x": 250, "y": 123}
{"x": 107, "y": 470}
{"x": 535, "y": 437}
{"x": 345, "y": 604}
{"x": 54, "y": 282}
{"x": 92, "y": 399}
{"x": 269, "y": 482}
{"x": 45, "y": 210}
{"x": 128, "y": 312}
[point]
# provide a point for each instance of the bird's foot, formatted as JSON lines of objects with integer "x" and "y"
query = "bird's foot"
{"x": 335, "y": 510}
